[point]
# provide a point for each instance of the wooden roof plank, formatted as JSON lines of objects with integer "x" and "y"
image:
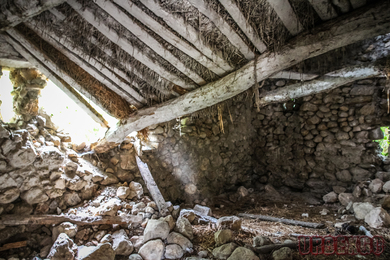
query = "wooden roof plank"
{"x": 178, "y": 24}
{"x": 146, "y": 38}
{"x": 246, "y": 28}
{"x": 324, "y": 9}
{"x": 104, "y": 75}
{"x": 224, "y": 27}
{"x": 126, "y": 46}
{"x": 55, "y": 75}
{"x": 285, "y": 12}
{"x": 350, "y": 28}
{"x": 170, "y": 37}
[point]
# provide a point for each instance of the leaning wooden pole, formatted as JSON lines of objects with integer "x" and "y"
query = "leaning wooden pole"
{"x": 359, "y": 25}
{"x": 282, "y": 220}
{"x": 152, "y": 187}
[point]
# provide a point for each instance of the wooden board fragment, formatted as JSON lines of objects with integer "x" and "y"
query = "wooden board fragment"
{"x": 282, "y": 220}
{"x": 152, "y": 187}
{"x": 13, "y": 245}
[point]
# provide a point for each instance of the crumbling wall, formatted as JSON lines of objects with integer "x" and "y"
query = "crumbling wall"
{"x": 309, "y": 145}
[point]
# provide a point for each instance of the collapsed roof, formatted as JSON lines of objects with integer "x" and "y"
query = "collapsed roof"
{"x": 150, "y": 61}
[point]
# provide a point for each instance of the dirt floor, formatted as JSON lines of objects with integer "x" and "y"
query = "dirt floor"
{"x": 289, "y": 208}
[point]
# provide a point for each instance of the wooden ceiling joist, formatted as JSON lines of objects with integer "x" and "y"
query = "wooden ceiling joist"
{"x": 186, "y": 31}
{"x": 327, "y": 82}
{"x": 287, "y": 15}
{"x": 89, "y": 16}
{"x": 350, "y": 28}
{"x": 324, "y": 9}
{"x": 294, "y": 75}
{"x": 170, "y": 37}
{"x": 55, "y": 75}
{"x": 245, "y": 27}
{"x": 14, "y": 15}
{"x": 224, "y": 27}
{"x": 104, "y": 75}
{"x": 148, "y": 39}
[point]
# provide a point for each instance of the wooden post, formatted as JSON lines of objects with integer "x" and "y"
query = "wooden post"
{"x": 152, "y": 187}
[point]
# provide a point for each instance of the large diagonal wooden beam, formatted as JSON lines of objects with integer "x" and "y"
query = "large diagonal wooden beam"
{"x": 224, "y": 27}
{"x": 179, "y": 25}
{"x": 104, "y": 75}
{"x": 65, "y": 87}
{"x": 245, "y": 27}
{"x": 285, "y": 12}
{"x": 359, "y": 25}
{"x": 146, "y": 38}
{"x": 169, "y": 36}
{"x": 19, "y": 11}
{"x": 89, "y": 16}
{"x": 329, "y": 81}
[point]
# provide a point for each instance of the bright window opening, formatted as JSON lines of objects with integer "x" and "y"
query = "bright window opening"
{"x": 64, "y": 112}
{"x": 384, "y": 143}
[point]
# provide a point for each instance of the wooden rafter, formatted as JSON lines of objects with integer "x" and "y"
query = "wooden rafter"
{"x": 324, "y": 9}
{"x": 170, "y": 37}
{"x": 294, "y": 76}
{"x": 89, "y": 16}
{"x": 285, "y": 12}
{"x": 14, "y": 15}
{"x": 104, "y": 75}
{"x": 334, "y": 34}
{"x": 148, "y": 39}
{"x": 224, "y": 27}
{"x": 178, "y": 24}
{"x": 246, "y": 28}
{"x": 62, "y": 84}
{"x": 329, "y": 81}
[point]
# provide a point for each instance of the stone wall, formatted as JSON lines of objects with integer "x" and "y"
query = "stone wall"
{"x": 310, "y": 144}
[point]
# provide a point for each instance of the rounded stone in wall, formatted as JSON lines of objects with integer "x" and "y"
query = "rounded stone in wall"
{"x": 190, "y": 188}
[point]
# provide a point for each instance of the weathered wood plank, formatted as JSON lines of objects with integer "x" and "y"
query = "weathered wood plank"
{"x": 177, "y": 23}
{"x": 327, "y": 82}
{"x": 239, "y": 18}
{"x": 350, "y": 28}
{"x": 324, "y": 9}
{"x": 152, "y": 187}
{"x": 59, "y": 82}
{"x": 285, "y": 12}
{"x": 293, "y": 75}
{"x": 146, "y": 38}
{"x": 104, "y": 75}
{"x": 20, "y": 11}
{"x": 283, "y": 220}
{"x": 16, "y": 220}
{"x": 170, "y": 37}
{"x": 126, "y": 46}
{"x": 224, "y": 27}
{"x": 13, "y": 245}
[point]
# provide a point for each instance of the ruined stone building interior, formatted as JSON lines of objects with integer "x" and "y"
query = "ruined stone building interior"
{"x": 194, "y": 129}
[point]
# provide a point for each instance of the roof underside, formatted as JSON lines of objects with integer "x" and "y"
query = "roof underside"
{"x": 133, "y": 54}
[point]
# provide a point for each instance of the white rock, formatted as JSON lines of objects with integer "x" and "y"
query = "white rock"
{"x": 345, "y": 198}
{"x": 173, "y": 251}
{"x": 123, "y": 192}
{"x": 183, "y": 226}
{"x": 9, "y": 196}
{"x": 386, "y": 187}
{"x": 23, "y": 157}
{"x": 243, "y": 253}
{"x": 152, "y": 250}
{"x": 34, "y": 196}
{"x": 203, "y": 210}
{"x": 177, "y": 238}
{"x": 156, "y": 229}
{"x": 242, "y": 191}
{"x": 230, "y": 222}
{"x": 66, "y": 227}
{"x": 376, "y": 186}
{"x": 361, "y": 209}
{"x": 377, "y": 218}
{"x": 63, "y": 248}
{"x": 121, "y": 243}
{"x": 331, "y": 197}
{"x": 136, "y": 190}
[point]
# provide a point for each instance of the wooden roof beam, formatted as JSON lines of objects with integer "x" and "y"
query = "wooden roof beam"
{"x": 170, "y": 37}
{"x": 62, "y": 84}
{"x": 180, "y": 26}
{"x": 89, "y": 16}
{"x": 104, "y": 75}
{"x": 246, "y": 28}
{"x": 327, "y": 82}
{"x": 350, "y": 28}
{"x": 224, "y": 27}
{"x": 285, "y": 12}
{"x": 20, "y": 11}
{"x": 146, "y": 38}
{"x": 324, "y": 9}
{"x": 293, "y": 75}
